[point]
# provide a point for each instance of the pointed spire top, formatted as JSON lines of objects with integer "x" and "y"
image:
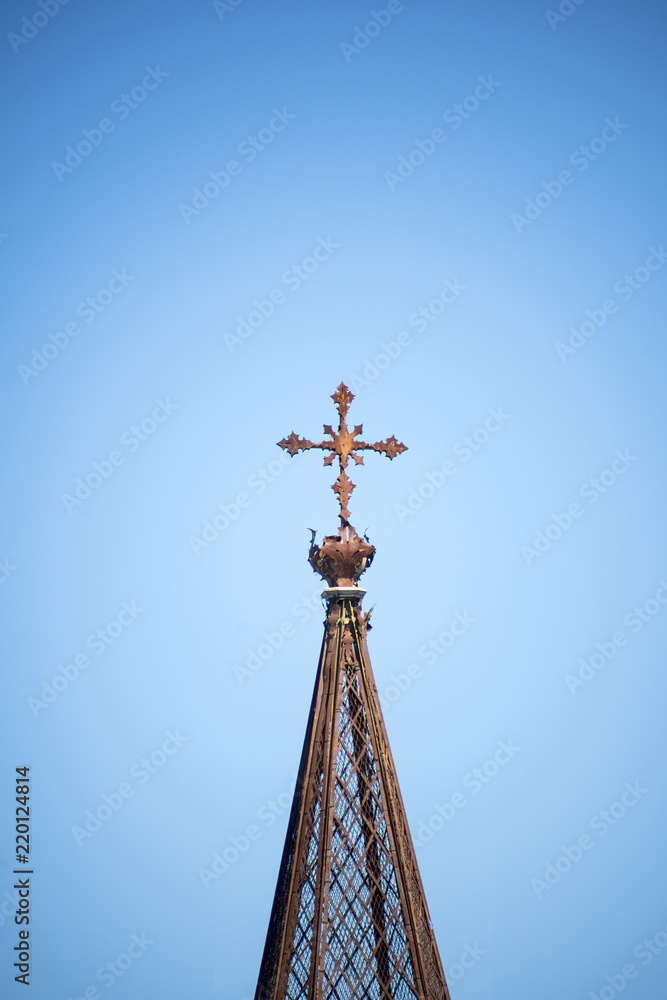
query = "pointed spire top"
{"x": 343, "y": 445}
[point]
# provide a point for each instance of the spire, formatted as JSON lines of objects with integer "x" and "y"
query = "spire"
{"x": 349, "y": 918}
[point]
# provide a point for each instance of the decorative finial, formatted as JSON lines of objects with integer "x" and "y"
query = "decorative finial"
{"x": 343, "y": 445}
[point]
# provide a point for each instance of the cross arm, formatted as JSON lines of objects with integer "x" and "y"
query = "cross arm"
{"x": 294, "y": 444}
{"x": 391, "y": 447}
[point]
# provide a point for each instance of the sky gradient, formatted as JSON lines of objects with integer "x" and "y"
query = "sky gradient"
{"x": 213, "y": 213}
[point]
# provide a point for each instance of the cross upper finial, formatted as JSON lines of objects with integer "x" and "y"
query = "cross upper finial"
{"x": 343, "y": 445}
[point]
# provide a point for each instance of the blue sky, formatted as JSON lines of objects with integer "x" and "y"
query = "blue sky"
{"x": 457, "y": 209}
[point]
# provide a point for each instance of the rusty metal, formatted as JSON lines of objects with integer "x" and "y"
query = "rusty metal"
{"x": 343, "y": 446}
{"x": 349, "y": 918}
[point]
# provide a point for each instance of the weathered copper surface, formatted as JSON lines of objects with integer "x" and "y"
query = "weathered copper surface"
{"x": 349, "y": 918}
{"x": 341, "y": 558}
{"x": 343, "y": 445}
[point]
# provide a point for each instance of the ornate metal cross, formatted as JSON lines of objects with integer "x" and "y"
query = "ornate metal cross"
{"x": 343, "y": 445}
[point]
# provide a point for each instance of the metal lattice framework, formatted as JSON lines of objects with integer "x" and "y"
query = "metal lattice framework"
{"x": 349, "y": 917}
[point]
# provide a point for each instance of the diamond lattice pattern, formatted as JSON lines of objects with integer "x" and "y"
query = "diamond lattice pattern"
{"x": 302, "y": 950}
{"x": 366, "y": 936}
{"x": 365, "y": 946}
